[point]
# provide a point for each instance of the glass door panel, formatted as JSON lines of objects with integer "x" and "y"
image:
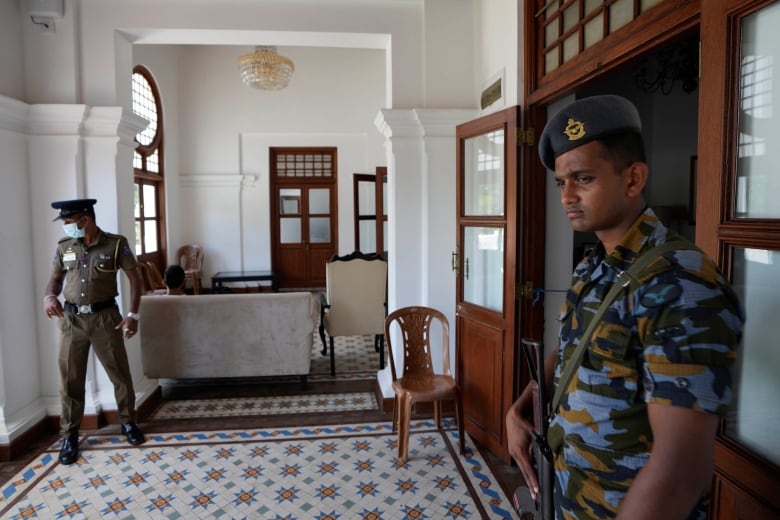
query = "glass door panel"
{"x": 483, "y": 174}
{"x": 757, "y": 177}
{"x": 483, "y": 267}
{"x": 319, "y": 201}
{"x": 755, "y": 420}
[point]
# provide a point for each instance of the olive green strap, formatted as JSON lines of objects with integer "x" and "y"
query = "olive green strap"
{"x": 624, "y": 279}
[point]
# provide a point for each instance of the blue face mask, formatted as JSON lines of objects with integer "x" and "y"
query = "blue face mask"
{"x": 72, "y": 230}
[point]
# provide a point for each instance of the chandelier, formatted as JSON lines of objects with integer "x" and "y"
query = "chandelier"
{"x": 265, "y": 69}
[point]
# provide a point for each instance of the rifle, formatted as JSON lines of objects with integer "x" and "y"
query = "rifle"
{"x": 542, "y": 508}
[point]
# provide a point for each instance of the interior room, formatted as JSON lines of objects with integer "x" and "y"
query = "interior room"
{"x": 379, "y": 92}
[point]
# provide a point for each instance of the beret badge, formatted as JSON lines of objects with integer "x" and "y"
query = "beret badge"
{"x": 574, "y": 129}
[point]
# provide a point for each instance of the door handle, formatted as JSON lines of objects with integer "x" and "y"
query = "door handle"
{"x": 454, "y": 260}
{"x": 467, "y": 269}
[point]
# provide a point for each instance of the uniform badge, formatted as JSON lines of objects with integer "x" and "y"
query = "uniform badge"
{"x": 69, "y": 257}
{"x": 574, "y": 130}
{"x": 661, "y": 294}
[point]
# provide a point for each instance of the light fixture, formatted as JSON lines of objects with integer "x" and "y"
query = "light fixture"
{"x": 663, "y": 70}
{"x": 265, "y": 69}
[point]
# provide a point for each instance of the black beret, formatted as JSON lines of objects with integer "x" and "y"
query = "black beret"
{"x": 73, "y": 207}
{"x": 586, "y": 120}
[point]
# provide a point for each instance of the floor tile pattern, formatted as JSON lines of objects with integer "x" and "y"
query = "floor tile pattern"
{"x": 327, "y": 472}
{"x": 251, "y": 406}
{"x": 356, "y": 358}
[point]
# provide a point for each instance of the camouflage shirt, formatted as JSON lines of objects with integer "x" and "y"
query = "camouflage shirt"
{"x": 671, "y": 341}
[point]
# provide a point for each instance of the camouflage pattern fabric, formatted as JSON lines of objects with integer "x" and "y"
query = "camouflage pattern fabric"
{"x": 671, "y": 341}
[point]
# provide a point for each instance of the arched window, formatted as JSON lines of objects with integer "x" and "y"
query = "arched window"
{"x": 148, "y": 166}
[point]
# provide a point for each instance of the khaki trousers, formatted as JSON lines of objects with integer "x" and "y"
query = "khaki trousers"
{"x": 78, "y": 332}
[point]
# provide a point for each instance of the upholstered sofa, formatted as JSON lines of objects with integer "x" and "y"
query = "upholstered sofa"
{"x": 227, "y": 335}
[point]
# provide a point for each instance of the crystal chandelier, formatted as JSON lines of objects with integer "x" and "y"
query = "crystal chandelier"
{"x": 265, "y": 69}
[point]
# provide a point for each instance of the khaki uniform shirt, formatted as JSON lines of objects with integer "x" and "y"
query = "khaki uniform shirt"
{"x": 90, "y": 272}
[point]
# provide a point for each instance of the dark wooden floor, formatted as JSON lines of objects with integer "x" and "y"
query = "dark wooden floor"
{"x": 507, "y": 475}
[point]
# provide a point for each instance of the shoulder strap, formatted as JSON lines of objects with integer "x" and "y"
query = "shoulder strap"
{"x": 625, "y": 278}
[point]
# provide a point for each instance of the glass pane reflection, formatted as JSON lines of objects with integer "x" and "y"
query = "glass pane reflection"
{"x": 484, "y": 174}
{"x": 755, "y": 420}
{"x": 757, "y": 177}
{"x": 483, "y": 267}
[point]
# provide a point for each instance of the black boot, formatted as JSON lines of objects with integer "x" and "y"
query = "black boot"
{"x": 69, "y": 452}
{"x": 134, "y": 435}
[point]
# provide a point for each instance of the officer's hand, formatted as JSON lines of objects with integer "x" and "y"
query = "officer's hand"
{"x": 52, "y": 306}
{"x": 520, "y": 440}
{"x": 129, "y": 326}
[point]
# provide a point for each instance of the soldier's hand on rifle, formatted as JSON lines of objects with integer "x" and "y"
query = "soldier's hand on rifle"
{"x": 520, "y": 441}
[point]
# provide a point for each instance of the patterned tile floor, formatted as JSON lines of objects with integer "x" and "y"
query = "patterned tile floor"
{"x": 245, "y": 406}
{"x": 328, "y": 472}
{"x": 345, "y": 471}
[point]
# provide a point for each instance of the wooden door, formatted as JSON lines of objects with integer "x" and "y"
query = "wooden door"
{"x": 492, "y": 237}
{"x": 303, "y": 215}
{"x": 369, "y": 192}
{"x": 738, "y": 223}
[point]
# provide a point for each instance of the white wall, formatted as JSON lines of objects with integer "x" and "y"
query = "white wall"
{"x": 428, "y": 61}
{"x": 11, "y": 60}
{"x": 497, "y": 44}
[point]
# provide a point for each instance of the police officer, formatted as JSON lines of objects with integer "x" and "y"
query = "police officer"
{"x": 86, "y": 262}
{"x": 634, "y": 434}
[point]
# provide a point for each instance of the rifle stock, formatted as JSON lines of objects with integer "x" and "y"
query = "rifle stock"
{"x": 544, "y": 508}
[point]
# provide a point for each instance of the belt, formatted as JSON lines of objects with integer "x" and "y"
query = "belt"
{"x": 89, "y": 308}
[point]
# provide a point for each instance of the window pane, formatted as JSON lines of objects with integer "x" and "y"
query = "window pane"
{"x": 138, "y": 244}
{"x": 150, "y": 201}
{"x": 145, "y": 106}
{"x": 594, "y": 30}
{"x": 757, "y": 176}
{"x": 755, "y": 420}
{"x": 319, "y": 230}
{"x": 290, "y": 230}
{"x": 367, "y": 238}
{"x": 484, "y": 174}
{"x": 136, "y": 201}
{"x": 483, "y": 267}
{"x": 620, "y": 13}
{"x": 150, "y": 236}
{"x": 319, "y": 201}
{"x": 366, "y": 198}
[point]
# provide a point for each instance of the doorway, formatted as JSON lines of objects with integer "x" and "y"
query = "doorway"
{"x": 303, "y": 215}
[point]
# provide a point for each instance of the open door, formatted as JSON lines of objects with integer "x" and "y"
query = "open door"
{"x": 492, "y": 198}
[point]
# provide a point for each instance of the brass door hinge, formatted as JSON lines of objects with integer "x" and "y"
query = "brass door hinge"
{"x": 524, "y": 290}
{"x": 527, "y": 136}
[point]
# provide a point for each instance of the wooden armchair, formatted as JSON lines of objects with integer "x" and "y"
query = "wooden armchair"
{"x": 354, "y": 303}
{"x": 151, "y": 279}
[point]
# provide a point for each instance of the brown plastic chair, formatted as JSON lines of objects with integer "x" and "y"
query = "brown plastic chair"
{"x": 190, "y": 257}
{"x": 419, "y": 383}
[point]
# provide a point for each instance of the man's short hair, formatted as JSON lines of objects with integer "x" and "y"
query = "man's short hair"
{"x": 174, "y": 276}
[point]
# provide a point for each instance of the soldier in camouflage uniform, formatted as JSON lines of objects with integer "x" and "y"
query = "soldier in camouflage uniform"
{"x": 86, "y": 263}
{"x": 634, "y": 434}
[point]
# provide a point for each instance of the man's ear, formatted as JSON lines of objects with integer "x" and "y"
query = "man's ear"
{"x": 636, "y": 179}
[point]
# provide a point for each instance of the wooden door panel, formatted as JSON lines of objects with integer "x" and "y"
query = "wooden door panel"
{"x": 291, "y": 266}
{"x": 479, "y": 359}
{"x": 318, "y": 255}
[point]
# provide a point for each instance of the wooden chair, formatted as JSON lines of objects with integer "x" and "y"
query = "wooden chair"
{"x": 151, "y": 279}
{"x": 354, "y": 301}
{"x": 418, "y": 382}
{"x": 190, "y": 257}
